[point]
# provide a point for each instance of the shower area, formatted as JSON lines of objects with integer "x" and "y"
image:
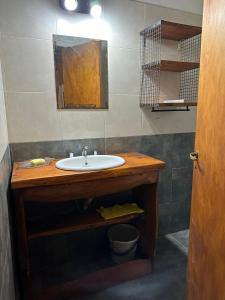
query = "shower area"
{"x": 180, "y": 239}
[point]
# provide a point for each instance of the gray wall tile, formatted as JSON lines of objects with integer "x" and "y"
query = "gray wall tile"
{"x": 6, "y": 273}
{"x": 182, "y": 184}
{"x": 76, "y": 146}
{"x": 23, "y": 151}
{"x": 165, "y": 186}
{"x": 182, "y": 145}
{"x": 167, "y": 212}
{"x": 123, "y": 144}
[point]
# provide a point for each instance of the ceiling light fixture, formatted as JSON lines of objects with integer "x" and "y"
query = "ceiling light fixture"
{"x": 95, "y": 8}
{"x": 70, "y": 5}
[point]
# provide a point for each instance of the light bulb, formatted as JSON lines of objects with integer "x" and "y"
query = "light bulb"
{"x": 96, "y": 11}
{"x": 70, "y": 5}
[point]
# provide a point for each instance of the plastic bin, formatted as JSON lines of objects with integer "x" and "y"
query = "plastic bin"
{"x": 123, "y": 240}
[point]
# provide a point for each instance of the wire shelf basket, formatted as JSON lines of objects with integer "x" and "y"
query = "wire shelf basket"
{"x": 188, "y": 44}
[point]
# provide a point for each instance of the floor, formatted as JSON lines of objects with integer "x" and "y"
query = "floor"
{"x": 180, "y": 239}
{"x": 166, "y": 283}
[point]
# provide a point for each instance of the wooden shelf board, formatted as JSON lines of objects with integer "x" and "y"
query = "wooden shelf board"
{"x": 71, "y": 223}
{"x": 172, "y": 66}
{"x": 175, "y": 31}
{"x": 186, "y": 103}
{"x": 96, "y": 281}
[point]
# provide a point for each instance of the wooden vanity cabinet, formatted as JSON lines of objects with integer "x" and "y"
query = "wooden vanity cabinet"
{"x": 47, "y": 184}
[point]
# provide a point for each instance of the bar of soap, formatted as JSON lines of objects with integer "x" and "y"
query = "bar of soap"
{"x": 37, "y": 162}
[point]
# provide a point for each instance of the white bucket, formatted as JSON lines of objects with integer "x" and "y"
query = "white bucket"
{"x": 123, "y": 242}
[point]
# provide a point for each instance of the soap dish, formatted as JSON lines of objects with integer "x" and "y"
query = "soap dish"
{"x": 28, "y": 165}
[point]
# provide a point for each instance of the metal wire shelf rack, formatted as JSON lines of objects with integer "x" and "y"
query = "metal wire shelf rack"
{"x": 187, "y": 41}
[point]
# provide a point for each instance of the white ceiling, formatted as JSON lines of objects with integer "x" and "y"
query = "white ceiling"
{"x": 194, "y": 6}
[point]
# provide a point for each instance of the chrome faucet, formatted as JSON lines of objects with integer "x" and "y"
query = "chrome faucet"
{"x": 85, "y": 155}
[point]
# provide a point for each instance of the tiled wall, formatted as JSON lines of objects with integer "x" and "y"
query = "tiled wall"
{"x": 29, "y": 71}
{"x": 6, "y": 276}
{"x": 194, "y": 6}
{"x": 6, "y": 273}
{"x": 3, "y": 122}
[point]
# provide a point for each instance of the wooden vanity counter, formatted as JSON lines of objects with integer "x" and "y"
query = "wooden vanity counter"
{"x": 50, "y": 175}
{"x": 47, "y": 184}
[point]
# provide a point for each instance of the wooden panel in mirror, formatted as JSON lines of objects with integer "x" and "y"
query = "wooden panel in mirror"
{"x": 81, "y": 72}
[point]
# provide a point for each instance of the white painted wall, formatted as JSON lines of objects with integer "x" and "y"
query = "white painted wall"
{"x": 193, "y": 6}
{"x": 3, "y": 122}
{"x": 29, "y": 71}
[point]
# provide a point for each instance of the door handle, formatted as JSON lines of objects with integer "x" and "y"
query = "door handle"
{"x": 194, "y": 156}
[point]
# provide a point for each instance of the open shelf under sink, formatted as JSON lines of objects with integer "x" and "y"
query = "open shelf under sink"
{"x": 73, "y": 222}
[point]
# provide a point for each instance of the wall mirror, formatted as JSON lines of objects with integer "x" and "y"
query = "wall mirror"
{"x": 81, "y": 72}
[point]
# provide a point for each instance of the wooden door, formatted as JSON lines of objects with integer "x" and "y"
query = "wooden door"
{"x": 82, "y": 75}
{"x": 206, "y": 266}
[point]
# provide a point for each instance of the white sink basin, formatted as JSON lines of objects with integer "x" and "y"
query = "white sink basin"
{"x": 94, "y": 162}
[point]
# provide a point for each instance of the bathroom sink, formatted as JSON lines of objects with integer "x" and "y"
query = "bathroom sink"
{"x": 90, "y": 163}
